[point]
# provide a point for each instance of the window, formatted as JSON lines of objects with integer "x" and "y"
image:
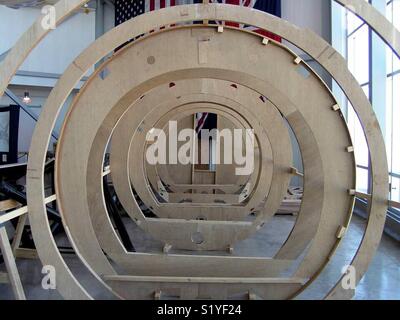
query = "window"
{"x": 358, "y": 57}
{"x": 361, "y": 56}
{"x": 393, "y": 106}
{"x": 377, "y": 70}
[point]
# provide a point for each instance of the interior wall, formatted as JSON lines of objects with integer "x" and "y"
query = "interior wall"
{"x": 56, "y": 51}
{"x": 312, "y": 14}
{"x": 39, "y": 96}
{"x": 315, "y": 15}
{"x": 109, "y": 17}
{"x": 41, "y": 70}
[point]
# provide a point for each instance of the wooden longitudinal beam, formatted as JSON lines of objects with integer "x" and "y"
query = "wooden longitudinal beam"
{"x": 200, "y": 288}
{"x": 10, "y": 204}
{"x": 21, "y": 211}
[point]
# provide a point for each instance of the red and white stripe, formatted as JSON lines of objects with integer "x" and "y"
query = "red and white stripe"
{"x": 152, "y": 5}
{"x": 201, "y": 119}
{"x": 250, "y": 4}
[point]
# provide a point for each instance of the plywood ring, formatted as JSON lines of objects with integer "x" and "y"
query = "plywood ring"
{"x": 317, "y": 49}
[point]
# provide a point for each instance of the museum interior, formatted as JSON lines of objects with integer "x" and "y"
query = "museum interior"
{"x": 241, "y": 149}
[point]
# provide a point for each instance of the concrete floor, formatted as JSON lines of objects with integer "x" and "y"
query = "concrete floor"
{"x": 382, "y": 280}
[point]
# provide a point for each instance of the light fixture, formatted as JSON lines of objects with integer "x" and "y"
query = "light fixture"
{"x": 86, "y": 8}
{"x": 27, "y": 99}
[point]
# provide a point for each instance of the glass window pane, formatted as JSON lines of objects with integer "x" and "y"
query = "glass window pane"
{"x": 353, "y": 22}
{"x": 395, "y": 194}
{"x": 389, "y": 60}
{"x": 362, "y": 180}
{"x": 389, "y": 117}
{"x": 396, "y": 125}
{"x": 366, "y": 90}
{"x": 392, "y": 62}
{"x": 393, "y": 15}
{"x": 396, "y": 63}
{"x": 358, "y": 138}
{"x": 396, "y": 22}
{"x": 393, "y": 106}
{"x": 396, "y": 13}
{"x": 389, "y": 11}
{"x": 358, "y": 54}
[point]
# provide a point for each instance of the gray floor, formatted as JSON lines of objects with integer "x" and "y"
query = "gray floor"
{"x": 382, "y": 280}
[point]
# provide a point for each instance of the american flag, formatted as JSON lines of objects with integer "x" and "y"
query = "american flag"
{"x": 201, "y": 119}
{"x": 128, "y": 9}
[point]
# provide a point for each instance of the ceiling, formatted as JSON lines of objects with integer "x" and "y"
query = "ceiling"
{"x": 26, "y": 3}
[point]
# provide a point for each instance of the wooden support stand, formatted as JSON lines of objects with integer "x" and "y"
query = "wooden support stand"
{"x": 9, "y": 260}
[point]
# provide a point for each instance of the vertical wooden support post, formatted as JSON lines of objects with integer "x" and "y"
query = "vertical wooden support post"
{"x": 11, "y": 266}
{"x": 18, "y": 233}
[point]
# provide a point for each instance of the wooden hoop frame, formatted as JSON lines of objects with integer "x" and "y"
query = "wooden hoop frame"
{"x": 319, "y": 50}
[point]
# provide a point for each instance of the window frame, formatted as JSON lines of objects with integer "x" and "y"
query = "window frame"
{"x": 394, "y": 213}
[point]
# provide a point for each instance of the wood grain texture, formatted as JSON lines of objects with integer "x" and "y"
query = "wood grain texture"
{"x": 325, "y": 240}
{"x": 11, "y": 266}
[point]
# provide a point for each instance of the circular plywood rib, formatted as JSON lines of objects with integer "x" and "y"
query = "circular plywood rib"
{"x": 310, "y": 43}
{"x": 321, "y": 100}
